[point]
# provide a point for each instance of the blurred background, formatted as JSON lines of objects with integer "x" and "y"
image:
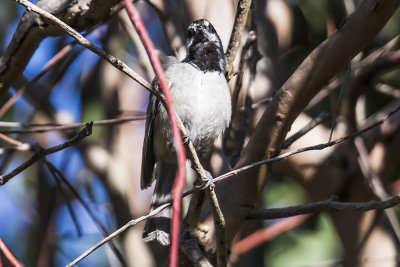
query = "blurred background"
{"x": 44, "y": 223}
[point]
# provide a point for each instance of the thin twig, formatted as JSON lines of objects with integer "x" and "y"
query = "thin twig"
{"x": 362, "y": 73}
{"x": 375, "y": 182}
{"x": 261, "y": 236}
{"x": 42, "y": 152}
{"x": 18, "y": 145}
{"x": 304, "y": 149}
{"x": 338, "y": 105}
{"x": 50, "y": 64}
{"x": 9, "y": 255}
{"x": 387, "y": 90}
{"x": 42, "y": 128}
{"x": 242, "y": 13}
{"x": 64, "y": 196}
{"x": 59, "y": 176}
{"x": 264, "y": 214}
{"x": 86, "y": 43}
{"x": 291, "y": 211}
{"x": 141, "y": 55}
{"x": 60, "y": 55}
{"x": 308, "y": 127}
{"x": 324, "y": 205}
{"x": 251, "y": 38}
{"x": 126, "y": 227}
{"x": 324, "y": 92}
{"x": 284, "y": 212}
{"x": 115, "y": 62}
{"x": 235, "y": 135}
{"x": 117, "y": 232}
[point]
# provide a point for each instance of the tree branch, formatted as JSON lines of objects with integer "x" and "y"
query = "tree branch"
{"x": 86, "y": 43}
{"x": 32, "y": 29}
{"x": 263, "y": 214}
{"x": 116, "y": 233}
{"x": 42, "y": 128}
{"x": 268, "y": 233}
{"x": 308, "y": 127}
{"x": 9, "y": 255}
{"x": 42, "y": 152}
{"x": 375, "y": 182}
{"x": 325, "y": 205}
{"x": 242, "y": 13}
{"x": 124, "y": 68}
{"x": 304, "y": 149}
{"x": 315, "y": 71}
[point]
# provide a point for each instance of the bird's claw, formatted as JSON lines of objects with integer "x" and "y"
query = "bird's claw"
{"x": 186, "y": 139}
{"x": 208, "y": 183}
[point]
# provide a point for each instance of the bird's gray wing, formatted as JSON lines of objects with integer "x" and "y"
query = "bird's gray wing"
{"x": 148, "y": 159}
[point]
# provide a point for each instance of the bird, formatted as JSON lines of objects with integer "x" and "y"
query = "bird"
{"x": 202, "y": 101}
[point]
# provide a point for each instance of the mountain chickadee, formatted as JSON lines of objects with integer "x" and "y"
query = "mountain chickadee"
{"x": 203, "y": 102}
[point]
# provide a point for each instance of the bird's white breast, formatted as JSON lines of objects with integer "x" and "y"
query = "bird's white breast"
{"x": 202, "y": 101}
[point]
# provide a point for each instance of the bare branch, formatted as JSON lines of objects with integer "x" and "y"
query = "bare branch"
{"x": 375, "y": 182}
{"x": 311, "y": 125}
{"x": 32, "y": 29}
{"x": 116, "y": 233}
{"x": 17, "y": 144}
{"x": 39, "y": 128}
{"x": 63, "y": 194}
{"x": 325, "y": 205}
{"x": 235, "y": 135}
{"x": 60, "y": 55}
{"x": 9, "y": 255}
{"x": 42, "y": 152}
{"x": 387, "y": 90}
{"x": 264, "y": 214}
{"x": 314, "y": 72}
{"x": 86, "y": 43}
{"x": 361, "y": 74}
{"x": 124, "y": 68}
{"x": 242, "y": 13}
{"x": 268, "y": 233}
{"x": 304, "y": 149}
{"x": 58, "y": 176}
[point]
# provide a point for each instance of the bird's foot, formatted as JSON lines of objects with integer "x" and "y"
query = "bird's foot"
{"x": 207, "y": 183}
{"x": 186, "y": 139}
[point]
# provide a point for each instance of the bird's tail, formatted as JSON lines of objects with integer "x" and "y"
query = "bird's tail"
{"x": 157, "y": 228}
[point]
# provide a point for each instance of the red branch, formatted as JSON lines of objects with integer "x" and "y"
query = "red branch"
{"x": 9, "y": 255}
{"x": 256, "y": 239}
{"x": 180, "y": 151}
